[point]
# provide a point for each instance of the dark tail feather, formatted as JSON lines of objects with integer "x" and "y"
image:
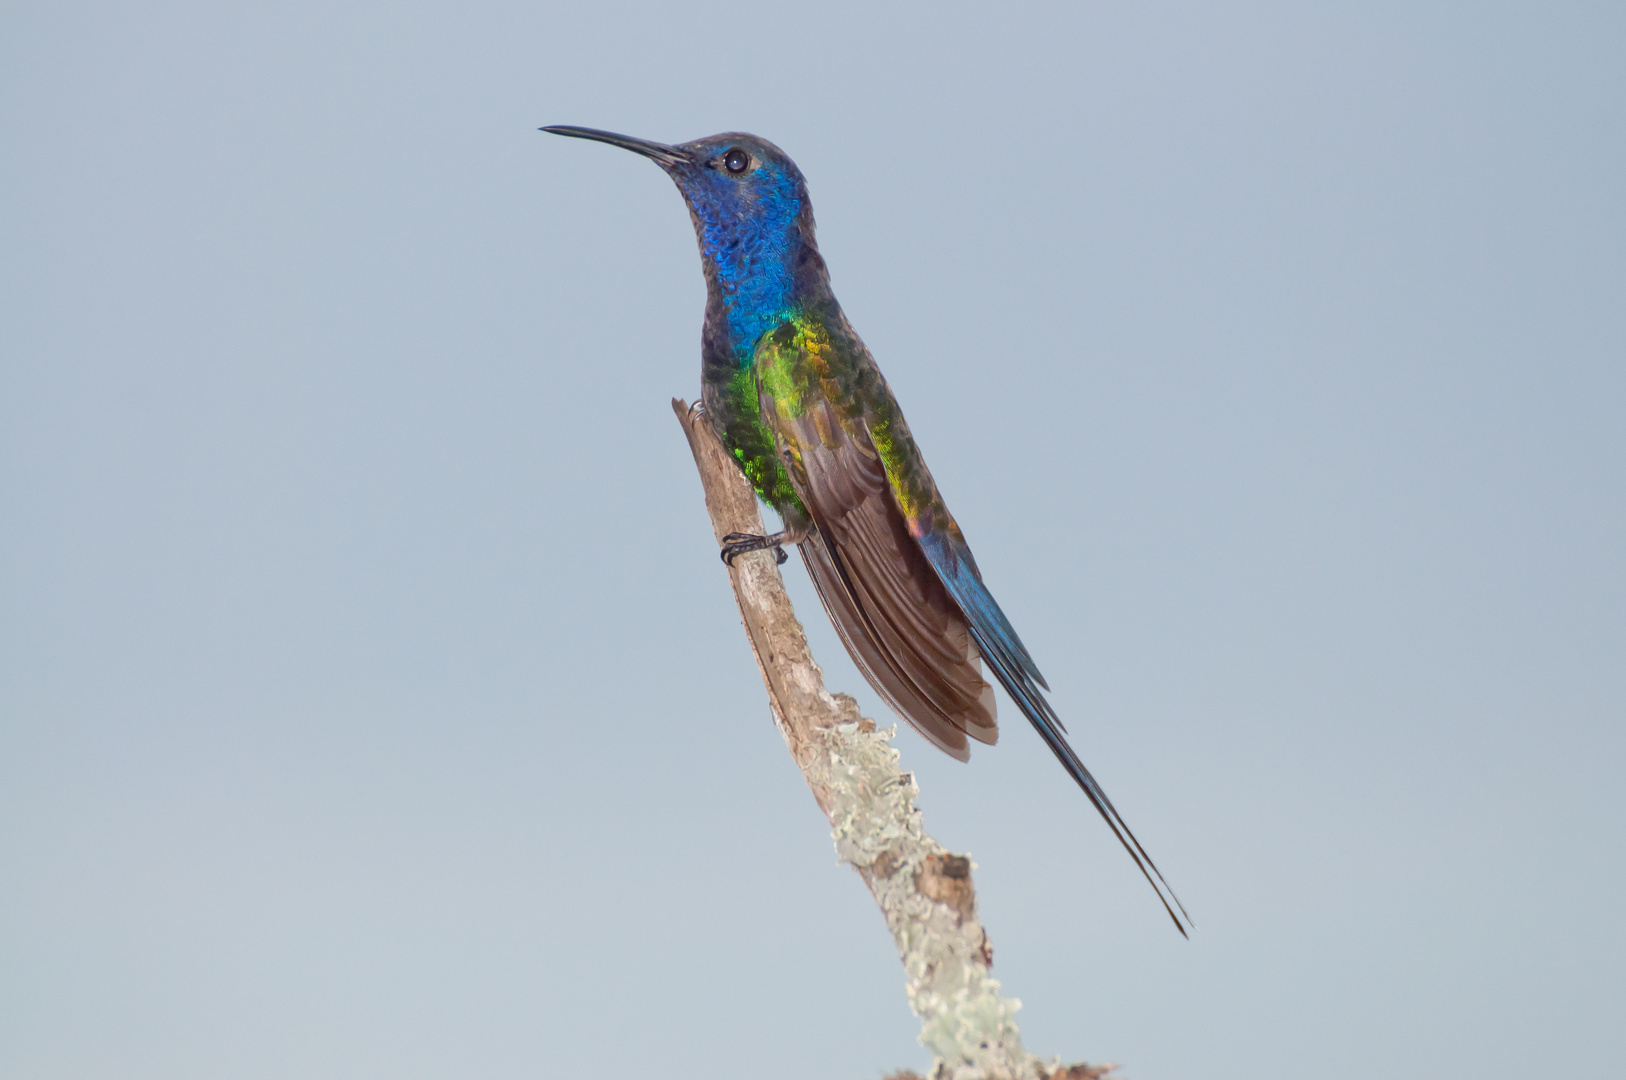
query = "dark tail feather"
{"x": 1017, "y": 673}
{"x": 1043, "y": 718}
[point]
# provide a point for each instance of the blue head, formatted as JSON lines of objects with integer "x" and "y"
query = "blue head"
{"x": 751, "y": 214}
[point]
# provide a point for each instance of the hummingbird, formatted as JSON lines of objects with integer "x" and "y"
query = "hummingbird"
{"x": 797, "y": 399}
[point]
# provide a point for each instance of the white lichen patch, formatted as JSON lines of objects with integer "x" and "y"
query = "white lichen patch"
{"x": 965, "y": 1021}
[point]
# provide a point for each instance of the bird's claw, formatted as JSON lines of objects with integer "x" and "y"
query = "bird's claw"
{"x": 736, "y": 544}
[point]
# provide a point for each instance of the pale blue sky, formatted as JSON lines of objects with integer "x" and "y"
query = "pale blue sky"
{"x": 372, "y": 702}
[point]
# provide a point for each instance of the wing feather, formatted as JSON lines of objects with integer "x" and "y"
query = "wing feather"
{"x": 893, "y": 612}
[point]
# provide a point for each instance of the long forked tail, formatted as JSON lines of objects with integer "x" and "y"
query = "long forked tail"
{"x": 1016, "y": 672}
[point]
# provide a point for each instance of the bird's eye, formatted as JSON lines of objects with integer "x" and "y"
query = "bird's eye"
{"x": 736, "y": 160}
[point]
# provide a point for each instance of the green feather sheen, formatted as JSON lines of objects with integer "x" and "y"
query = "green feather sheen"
{"x": 752, "y": 444}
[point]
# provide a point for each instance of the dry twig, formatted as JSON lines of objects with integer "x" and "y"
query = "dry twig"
{"x": 924, "y": 892}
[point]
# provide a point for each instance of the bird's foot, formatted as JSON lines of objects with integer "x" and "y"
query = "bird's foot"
{"x": 737, "y": 544}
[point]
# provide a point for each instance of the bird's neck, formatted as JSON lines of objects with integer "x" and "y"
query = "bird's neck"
{"x": 759, "y": 272}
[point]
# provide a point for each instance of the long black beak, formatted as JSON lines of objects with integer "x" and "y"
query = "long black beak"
{"x": 660, "y": 153}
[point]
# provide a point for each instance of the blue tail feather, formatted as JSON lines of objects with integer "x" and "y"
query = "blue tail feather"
{"x": 958, "y": 571}
{"x": 1016, "y": 672}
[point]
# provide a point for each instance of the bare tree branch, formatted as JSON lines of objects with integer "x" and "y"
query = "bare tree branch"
{"x": 924, "y": 892}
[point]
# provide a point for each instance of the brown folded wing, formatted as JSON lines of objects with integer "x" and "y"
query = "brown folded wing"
{"x": 900, "y": 625}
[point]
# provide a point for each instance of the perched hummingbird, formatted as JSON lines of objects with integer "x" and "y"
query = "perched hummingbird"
{"x": 798, "y": 400}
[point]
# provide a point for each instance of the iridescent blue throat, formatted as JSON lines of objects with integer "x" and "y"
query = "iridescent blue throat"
{"x": 753, "y": 254}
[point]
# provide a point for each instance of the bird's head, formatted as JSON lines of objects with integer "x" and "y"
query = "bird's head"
{"x": 750, "y": 209}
